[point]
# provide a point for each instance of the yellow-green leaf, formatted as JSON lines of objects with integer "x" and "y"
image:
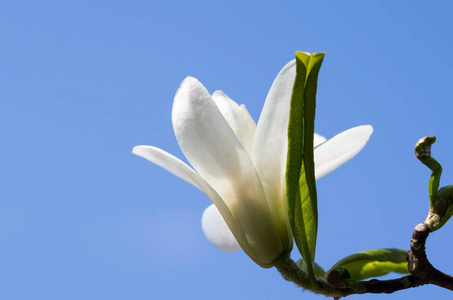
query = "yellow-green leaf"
{"x": 374, "y": 263}
{"x": 300, "y": 169}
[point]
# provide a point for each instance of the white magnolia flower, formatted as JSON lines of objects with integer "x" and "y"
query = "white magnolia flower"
{"x": 241, "y": 166}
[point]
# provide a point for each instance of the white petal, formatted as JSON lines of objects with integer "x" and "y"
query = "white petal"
{"x": 339, "y": 149}
{"x": 169, "y": 162}
{"x": 217, "y": 231}
{"x": 271, "y": 143}
{"x": 177, "y": 167}
{"x": 238, "y": 118}
{"x": 216, "y": 154}
{"x": 318, "y": 139}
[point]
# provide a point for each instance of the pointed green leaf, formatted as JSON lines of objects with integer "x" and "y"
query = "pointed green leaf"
{"x": 300, "y": 169}
{"x": 373, "y": 263}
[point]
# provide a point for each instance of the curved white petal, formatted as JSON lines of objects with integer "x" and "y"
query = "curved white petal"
{"x": 216, "y": 154}
{"x": 177, "y": 167}
{"x": 217, "y": 231}
{"x": 271, "y": 143}
{"x": 339, "y": 149}
{"x": 318, "y": 139}
{"x": 238, "y": 118}
{"x": 168, "y": 162}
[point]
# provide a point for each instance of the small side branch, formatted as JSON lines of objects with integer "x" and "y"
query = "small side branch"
{"x": 418, "y": 263}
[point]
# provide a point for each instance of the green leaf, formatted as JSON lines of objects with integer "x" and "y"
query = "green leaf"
{"x": 373, "y": 263}
{"x": 300, "y": 169}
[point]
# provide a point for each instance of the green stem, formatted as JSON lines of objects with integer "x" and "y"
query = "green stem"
{"x": 290, "y": 271}
{"x": 434, "y": 180}
{"x": 423, "y": 153}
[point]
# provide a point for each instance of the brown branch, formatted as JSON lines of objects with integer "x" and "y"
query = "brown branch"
{"x": 418, "y": 263}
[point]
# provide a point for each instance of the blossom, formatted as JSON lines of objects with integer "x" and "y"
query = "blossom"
{"x": 241, "y": 166}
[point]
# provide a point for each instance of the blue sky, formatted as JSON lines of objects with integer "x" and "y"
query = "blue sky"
{"x": 82, "y": 82}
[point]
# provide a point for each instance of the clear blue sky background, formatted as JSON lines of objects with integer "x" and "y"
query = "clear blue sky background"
{"x": 82, "y": 82}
